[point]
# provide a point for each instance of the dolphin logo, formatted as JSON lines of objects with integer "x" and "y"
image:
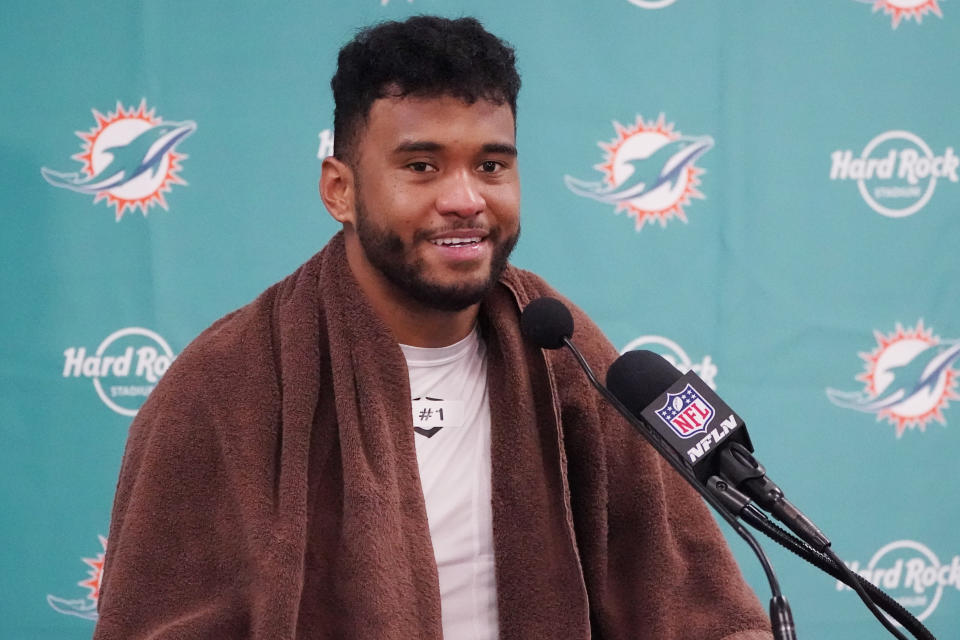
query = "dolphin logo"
{"x": 82, "y": 607}
{"x": 143, "y": 154}
{"x": 921, "y": 374}
{"x": 662, "y": 167}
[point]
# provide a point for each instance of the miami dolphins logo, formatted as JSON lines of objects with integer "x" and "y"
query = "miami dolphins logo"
{"x": 84, "y": 607}
{"x": 909, "y": 9}
{"x": 909, "y": 379}
{"x": 648, "y": 171}
{"x": 128, "y": 159}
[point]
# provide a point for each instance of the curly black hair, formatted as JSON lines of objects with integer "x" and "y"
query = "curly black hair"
{"x": 422, "y": 56}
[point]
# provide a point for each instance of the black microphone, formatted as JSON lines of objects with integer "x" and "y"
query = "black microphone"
{"x": 693, "y": 423}
{"x": 644, "y": 382}
{"x": 639, "y": 380}
{"x": 683, "y": 409}
{"x": 707, "y": 435}
{"x": 546, "y": 322}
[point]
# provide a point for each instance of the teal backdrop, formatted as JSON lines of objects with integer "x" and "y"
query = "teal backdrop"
{"x": 766, "y": 192}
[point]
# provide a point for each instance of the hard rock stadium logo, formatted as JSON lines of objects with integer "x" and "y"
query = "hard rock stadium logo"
{"x": 648, "y": 170}
{"x": 896, "y": 172}
{"x": 908, "y": 379}
{"x": 912, "y": 574}
{"x": 85, "y": 607}
{"x": 124, "y": 368}
{"x": 128, "y": 158}
{"x": 905, "y": 9}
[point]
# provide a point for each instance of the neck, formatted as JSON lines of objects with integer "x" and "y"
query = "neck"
{"x": 411, "y": 322}
{"x": 432, "y": 328}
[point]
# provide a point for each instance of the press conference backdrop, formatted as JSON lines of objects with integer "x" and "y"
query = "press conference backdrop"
{"x": 764, "y": 192}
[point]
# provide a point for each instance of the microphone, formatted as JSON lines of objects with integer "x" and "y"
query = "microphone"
{"x": 639, "y": 381}
{"x": 707, "y": 435}
{"x": 668, "y": 409}
{"x": 686, "y": 421}
{"x": 681, "y": 407}
{"x": 547, "y": 323}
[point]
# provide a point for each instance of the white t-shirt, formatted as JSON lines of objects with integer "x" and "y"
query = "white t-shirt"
{"x": 451, "y": 417}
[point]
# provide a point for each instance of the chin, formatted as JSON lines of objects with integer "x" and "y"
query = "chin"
{"x": 450, "y": 295}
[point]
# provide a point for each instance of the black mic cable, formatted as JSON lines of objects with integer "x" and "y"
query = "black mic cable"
{"x": 739, "y": 464}
{"x": 836, "y": 568}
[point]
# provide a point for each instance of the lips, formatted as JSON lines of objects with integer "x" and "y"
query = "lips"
{"x": 457, "y": 242}
{"x": 459, "y": 238}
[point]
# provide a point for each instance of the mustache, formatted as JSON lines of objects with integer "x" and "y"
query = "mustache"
{"x": 426, "y": 234}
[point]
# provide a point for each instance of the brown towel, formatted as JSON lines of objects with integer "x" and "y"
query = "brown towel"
{"x": 270, "y": 490}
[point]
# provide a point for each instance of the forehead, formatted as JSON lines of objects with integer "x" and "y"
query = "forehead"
{"x": 442, "y": 119}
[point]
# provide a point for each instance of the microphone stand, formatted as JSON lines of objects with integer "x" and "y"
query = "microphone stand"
{"x": 811, "y": 545}
{"x": 758, "y": 520}
{"x": 781, "y": 617}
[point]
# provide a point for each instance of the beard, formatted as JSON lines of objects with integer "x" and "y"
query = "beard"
{"x": 398, "y": 263}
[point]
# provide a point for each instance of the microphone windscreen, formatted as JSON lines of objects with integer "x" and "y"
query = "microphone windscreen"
{"x": 636, "y": 378}
{"x": 546, "y": 322}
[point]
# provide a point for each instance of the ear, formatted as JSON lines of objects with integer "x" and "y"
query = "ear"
{"x": 337, "y": 190}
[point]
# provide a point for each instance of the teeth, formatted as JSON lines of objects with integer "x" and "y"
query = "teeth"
{"x": 449, "y": 242}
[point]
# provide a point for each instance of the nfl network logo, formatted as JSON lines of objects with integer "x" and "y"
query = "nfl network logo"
{"x": 687, "y": 413}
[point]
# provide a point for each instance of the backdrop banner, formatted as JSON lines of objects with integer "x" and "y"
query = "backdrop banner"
{"x": 763, "y": 192}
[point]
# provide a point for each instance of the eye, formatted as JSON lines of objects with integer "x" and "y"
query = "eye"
{"x": 490, "y": 166}
{"x": 420, "y": 167}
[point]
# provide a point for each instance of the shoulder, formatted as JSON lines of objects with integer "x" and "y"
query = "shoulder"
{"x": 231, "y": 365}
{"x": 234, "y": 346}
{"x": 242, "y": 346}
{"x": 216, "y": 361}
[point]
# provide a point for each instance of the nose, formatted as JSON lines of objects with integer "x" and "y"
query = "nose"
{"x": 460, "y": 195}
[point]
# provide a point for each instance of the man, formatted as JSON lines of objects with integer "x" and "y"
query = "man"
{"x": 370, "y": 449}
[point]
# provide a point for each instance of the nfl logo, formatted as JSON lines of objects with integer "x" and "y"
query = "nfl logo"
{"x": 687, "y": 413}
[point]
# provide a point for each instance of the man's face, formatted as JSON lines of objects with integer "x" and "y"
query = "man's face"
{"x": 437, "y": 198}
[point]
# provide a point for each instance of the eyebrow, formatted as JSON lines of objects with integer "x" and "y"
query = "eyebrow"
{"x": 497, "y": 147}
{"x": 425, "y": 145}
{"x": 417, "y": 145}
